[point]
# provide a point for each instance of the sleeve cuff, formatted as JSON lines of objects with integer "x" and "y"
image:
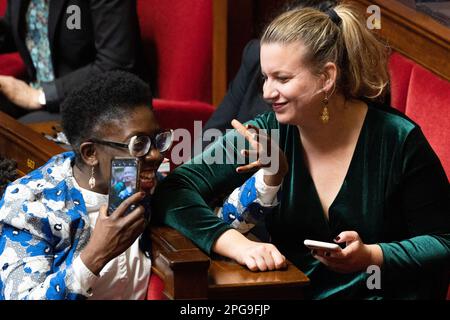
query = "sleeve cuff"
{"x": 267, "y": 195}
{"x": 51, "y": 96}
{"x": 84, "y": 277}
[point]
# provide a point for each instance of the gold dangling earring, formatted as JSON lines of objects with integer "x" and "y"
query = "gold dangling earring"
{"x": 325, "y": 116}
{"x": 92, "y": 179}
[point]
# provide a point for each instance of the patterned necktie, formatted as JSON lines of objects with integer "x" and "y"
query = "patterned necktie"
{"x": 37, "y": 41}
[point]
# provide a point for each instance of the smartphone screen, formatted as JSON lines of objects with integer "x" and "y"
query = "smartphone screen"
{"x": 124, "y": 181}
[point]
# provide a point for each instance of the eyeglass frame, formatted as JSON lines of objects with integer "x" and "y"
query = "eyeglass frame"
{"x": 127, "y": 145}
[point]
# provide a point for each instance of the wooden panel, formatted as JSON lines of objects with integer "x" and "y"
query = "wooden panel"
{"x": 219, "y": 65}
{"x": 414, "y": 34}
{"x": 29, "y": 148}
{"x": 200, "y": 277}
{"x": 228, "y": 280}
{"x": 180, "y": 264}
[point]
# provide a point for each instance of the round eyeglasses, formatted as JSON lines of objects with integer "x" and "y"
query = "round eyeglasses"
{"x": 139, "y": 146}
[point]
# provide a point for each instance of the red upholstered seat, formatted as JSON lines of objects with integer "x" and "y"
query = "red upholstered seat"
{"x": 11, "y": 64}
{"x": 428, "y": 104}
{"x": 400, "y": 72}
{"x": 177, "y": 39}
{"x": 425, "y": 98}
{"x": 181, "y": 114}
{"x": 2, "y": 7}
{"x": 155, "y": 289}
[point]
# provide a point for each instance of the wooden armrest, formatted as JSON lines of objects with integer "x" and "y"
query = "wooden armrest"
{"x": 27, "y": 147}
{"x": 188, "y": 273}
{"x": 180, "y": 264}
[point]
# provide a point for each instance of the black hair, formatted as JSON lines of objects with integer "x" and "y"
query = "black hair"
{"x": 101, "y": 99}
{"x": 7, "y": 173}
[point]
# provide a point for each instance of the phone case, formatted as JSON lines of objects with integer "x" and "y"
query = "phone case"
{"x": 124, "y": 181}
{"x": 313, "y": 244}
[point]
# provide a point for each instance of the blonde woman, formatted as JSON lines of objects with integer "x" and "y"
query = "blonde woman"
{"x": 350, "y": 171}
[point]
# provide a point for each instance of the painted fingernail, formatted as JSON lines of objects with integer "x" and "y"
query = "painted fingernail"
{"x": 337, "y": 238}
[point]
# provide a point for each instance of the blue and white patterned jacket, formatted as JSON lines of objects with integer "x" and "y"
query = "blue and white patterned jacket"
{"x": 44, "y": 226}
{"x": 243, "y": 209}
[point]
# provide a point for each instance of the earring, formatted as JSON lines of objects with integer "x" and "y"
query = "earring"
{"x": 325, "y": 116}
{"x": 92, "y": 179}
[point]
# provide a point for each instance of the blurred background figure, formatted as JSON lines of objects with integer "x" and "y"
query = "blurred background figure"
{"x": 62, "y": 44}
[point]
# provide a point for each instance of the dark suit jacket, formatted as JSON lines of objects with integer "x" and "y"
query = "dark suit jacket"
{"x": 108, "y": 39}
{"x": 243, "y": 100}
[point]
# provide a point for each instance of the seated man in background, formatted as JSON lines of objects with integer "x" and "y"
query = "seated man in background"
{"x": 63, "y": 43}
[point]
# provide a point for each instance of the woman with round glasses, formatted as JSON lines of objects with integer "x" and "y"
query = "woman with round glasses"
{"x": 57, "y": 241}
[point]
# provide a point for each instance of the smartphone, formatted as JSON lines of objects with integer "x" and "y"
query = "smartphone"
{"x": 313, "y": 244}
{"x": 124, "y": 182}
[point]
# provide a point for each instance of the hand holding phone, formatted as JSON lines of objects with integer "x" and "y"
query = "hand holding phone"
{"x": 124, "y": 182}
{"x": 320, "y": 245}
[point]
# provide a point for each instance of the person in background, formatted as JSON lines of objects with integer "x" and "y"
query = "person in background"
{"x": 350, "y": 171}
{"x": 129, "y": 183}
{"x": 63, "y": 43}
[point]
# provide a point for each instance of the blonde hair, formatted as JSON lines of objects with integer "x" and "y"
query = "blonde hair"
{"x": 361, "y": 59}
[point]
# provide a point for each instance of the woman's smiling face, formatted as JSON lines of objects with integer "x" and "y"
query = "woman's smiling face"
{"x": 289, "y": 86}
{"x": 141, "y": 121}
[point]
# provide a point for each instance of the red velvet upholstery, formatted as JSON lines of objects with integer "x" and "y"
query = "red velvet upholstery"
{"x": 11, "y": 64}
{"x": 400, "y": 72}
{"x": 428, "y": 104}
{"x": 181, "y": 114}
{"x": 425, "y": 98}
{"x": 155, "y": 288}
{"x": 2, "y": 7}
{"x": 177, "y": 38}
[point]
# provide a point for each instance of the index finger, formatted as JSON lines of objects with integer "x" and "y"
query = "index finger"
{"x": 122, "y": 208}
{"x": 242, "y": 130}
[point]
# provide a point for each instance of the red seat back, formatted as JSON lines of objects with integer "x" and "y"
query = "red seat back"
{"x": 2, "y": 7}
{"x": 177, "y": 39}
{"x": 428, "y": 104}
{"x": 11, "y": 64}
{"x": 400, "y": 73}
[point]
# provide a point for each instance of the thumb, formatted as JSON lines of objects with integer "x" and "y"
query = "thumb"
{"x": 347, "y": 237}
{"x": 103, "y": 211}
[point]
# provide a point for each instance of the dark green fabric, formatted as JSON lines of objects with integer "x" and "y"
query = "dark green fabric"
{"x": 395, "y": 194}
